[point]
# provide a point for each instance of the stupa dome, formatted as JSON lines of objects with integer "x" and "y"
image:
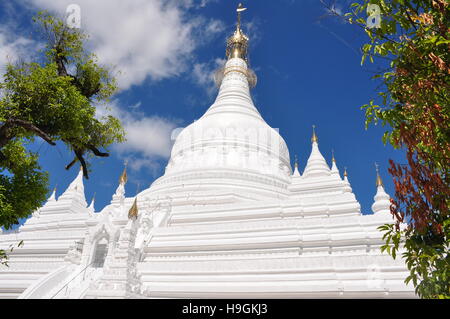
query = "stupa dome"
{"x": 231, "y": 134}
{"x": 231, "y": 140}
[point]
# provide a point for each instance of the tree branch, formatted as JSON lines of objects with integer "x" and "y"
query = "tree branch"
{"x": 10, "y": 123}
{"x": 97, "y": 152}
{"x": 68, "y": 166}
{"x": 31, "y": 127}
{"x": 79, "y": 155}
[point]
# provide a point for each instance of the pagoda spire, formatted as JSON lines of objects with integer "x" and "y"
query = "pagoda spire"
{"x": 119, "y": 195}
{"x": 133, "y": 212}
{"x": 77, "y": 184}
{"x": 237, "y": 44}
{"x": 382, "y": 201}
{"x": 347, "y": 187}
{"x": 75, "y": 191}
{"x": 334, "y": 168}
{"x": 91, "y": 206}
{"x": 296, "y": 172}
{"x": 239, "y": 9}
{"x": 379, "y": 181}
{"x": 316, "y": 166}
{"x": 237, "y": 56}
{"x": 314, "y": 138}
{"x": 52, "y": 197}
{"x": 124, "y": 177}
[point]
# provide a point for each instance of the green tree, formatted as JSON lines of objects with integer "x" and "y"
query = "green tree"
{"x": 415, "y": 108}
{"x": 54, "y": 101}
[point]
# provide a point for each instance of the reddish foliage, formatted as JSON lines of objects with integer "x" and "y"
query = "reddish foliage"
{"x": 421, "y": 190}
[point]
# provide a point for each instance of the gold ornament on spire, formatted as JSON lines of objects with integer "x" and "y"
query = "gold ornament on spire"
{"x": 133, "y": 212}
{"x": 314, "y": 138}
{"x": 379, "y": 181}
{"x": 332, "y": 156}
{"x": 124, "y": 177}
{"x": 296, "y": 161}
{"x": 345, "y": 172}
{"x": 237, "y": 44}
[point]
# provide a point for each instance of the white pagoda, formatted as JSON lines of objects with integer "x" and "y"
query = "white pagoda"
{"x": 228, "y": 219}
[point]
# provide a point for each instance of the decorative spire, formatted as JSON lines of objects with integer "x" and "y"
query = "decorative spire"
{"x": 382, "y": 203}
{"x": 237, "y": 44}
{"x": 91, "y": 206}
{"x": 237, "y": 49}
{"x": 77, "y": 184}
{"x": 379, "y": 181}
{"x": 347, "y": 188}
{"x": 124, "y": 178}
{"x": 133, "y": 212}
{"x": 317, "y": 165}
{"x": 314, "y": 138}
{"x": 75, "y": 191}
{"x": 296, "y": 172}
{"x": 239, "y": 9}
{"x": 52, "y": 197}
{"x": 119, "y": 196}
{"x": 334, "y": 168}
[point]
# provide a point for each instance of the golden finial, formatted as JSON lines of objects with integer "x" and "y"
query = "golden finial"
{"x": 379, "y": 181}
{"x": 124, "y": 178}
{"x": 314, "y": 138}
{"x": 332, "y": 156}
{"x": 237, "y": 44}
{"x": 239, "y": 9}
{"x": 345, "y": 172}
{"x": 133, "y": 212}
{"x": 296, "y": 161}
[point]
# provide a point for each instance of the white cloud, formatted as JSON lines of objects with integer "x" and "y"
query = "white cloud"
{"x": 11, "y": 48}
{"x": 253, "y": 30}
{"x": 204, "y": 3}
{"x": 203, "y": 74}
{"x": 141, "y": 38}
{"x": 214, "y": 27}
{"x": 148, "y": 137}
{"x": 197, "y": 3}
{"x": 334, "y": 9}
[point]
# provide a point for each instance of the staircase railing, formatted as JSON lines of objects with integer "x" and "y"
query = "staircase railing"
{"x": 83, "y": 271}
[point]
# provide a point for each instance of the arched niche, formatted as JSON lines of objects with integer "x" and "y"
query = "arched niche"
{"x": 100, "y": 252}
{"x": 102, "y": 240}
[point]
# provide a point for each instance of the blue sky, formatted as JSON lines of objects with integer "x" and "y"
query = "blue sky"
{"x": 308, "y": 68}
